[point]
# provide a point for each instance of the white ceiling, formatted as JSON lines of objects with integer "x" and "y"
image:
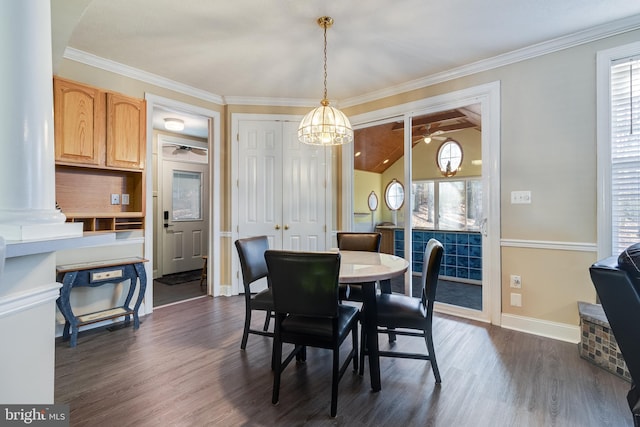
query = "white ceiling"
{"x": 273, "y": 49}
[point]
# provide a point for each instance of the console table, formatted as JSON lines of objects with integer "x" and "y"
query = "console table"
{"x": 94, "y": 274}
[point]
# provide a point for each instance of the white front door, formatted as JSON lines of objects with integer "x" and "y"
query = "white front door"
{"x": 185, "y": 201}
{"x": 281, "y": 186}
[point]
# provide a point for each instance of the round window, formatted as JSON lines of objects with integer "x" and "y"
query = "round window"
{"x": 449, "y": 157}
{"x": 394, "y": 195}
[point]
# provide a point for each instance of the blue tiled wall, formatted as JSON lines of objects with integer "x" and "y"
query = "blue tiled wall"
{"x": 462, "y": 251}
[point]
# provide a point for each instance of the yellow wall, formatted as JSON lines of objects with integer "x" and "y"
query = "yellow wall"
{"x": 363, "y": 184}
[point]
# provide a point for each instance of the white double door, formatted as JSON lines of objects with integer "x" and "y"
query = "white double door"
{"x": 282, "y": 186}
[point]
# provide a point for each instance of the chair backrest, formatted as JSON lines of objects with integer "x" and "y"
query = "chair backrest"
{"x": 430, "y": 272}
{"x": 251, "y": 252}
{"x": 619, "y": 295}
{"x": 351, "y": 241}
{"x": 304, "y": 283}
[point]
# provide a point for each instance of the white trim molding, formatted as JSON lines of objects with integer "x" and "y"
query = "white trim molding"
{"x": 543, "y": 328}
{"x": 550, "y": 245}
{"x": 23, "y": 301}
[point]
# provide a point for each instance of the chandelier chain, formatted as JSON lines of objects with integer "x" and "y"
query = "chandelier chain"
{"x": 325, "y": 61}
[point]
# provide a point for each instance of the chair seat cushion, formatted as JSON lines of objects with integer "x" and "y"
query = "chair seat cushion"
{"x": 400, "y": 311}
{"x": 318, "y": 327}
{"x": 263, "y": 300}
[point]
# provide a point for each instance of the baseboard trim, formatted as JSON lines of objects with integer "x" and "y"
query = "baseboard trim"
{"x": 543, "y": 328}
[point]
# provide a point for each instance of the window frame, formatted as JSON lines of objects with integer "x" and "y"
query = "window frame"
{"x": 436, "y": 202}
{"x": 604, "y": 60}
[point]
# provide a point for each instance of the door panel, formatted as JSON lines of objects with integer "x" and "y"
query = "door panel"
{"x": 185, "y": 200}
{"x": 304, "y": 180}
{"x": 260, "y": 180}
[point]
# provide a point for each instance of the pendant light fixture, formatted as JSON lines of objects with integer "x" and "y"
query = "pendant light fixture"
{"x": 325, "y": 125}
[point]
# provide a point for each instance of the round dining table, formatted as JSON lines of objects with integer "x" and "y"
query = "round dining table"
{"x": 365, "y": 269}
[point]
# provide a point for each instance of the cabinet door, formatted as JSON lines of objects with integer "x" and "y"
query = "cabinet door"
{"x": 79, "y": 122}
{"x": 126, "y": 131}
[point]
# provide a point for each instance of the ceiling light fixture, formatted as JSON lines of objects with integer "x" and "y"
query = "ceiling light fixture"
{"x": 173, "y": 124}
{"x": 325, "y": 125}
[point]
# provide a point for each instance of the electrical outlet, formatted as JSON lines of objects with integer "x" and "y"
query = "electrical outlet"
{"x": 520, "y": 197}
{"x": 516, "y": 299}
{"x": 125, "y": 199}
{"x": 115, "y": 199}
{"x": 515, "y": 282}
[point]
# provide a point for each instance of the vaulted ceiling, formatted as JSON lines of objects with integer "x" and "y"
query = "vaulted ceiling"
{"x": 378, "y": 147}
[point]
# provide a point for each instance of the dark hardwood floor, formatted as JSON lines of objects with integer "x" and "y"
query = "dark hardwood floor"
{"x": 184, "y": 367}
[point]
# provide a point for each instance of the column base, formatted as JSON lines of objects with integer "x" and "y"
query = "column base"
{"x": 40, "y": 231}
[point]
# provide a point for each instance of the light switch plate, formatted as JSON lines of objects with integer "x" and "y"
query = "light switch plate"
{"x": 125, "y": 199}
{"x": 115, "y": 199}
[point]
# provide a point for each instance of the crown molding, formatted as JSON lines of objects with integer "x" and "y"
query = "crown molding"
{"x": 586, "y": 36}
{"x": 273, "y": 102}
{"x": 136, "y": 74}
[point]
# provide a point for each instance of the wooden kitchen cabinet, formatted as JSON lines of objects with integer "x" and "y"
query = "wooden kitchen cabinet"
{"x": 100, "y": 146}
{"x": 79, "y": 123}
{"x": 94, "y": 127}
{"x": 126, "y": 131}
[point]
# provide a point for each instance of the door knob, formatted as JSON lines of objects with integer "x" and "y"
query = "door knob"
{"x": 286, "y": 227}
{"x": 277, "y": 227}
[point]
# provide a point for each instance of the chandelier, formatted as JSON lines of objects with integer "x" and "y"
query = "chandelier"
{"x": 325, "y": 125}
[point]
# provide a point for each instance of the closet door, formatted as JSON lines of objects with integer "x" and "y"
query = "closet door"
{"x": 260, "y": 180}
{"x": 281, "y": 186}
{"x": 304, "y": 192}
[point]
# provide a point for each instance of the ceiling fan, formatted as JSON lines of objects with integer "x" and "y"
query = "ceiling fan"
{"x": 183, "y": 149}
{"x": 428, "y": 136}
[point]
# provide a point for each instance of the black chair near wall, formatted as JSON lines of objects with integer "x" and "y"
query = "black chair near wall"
{"x": 254, "y": 267}
{"x": 411, "y": 316}
{"x": 354, "y": 241}
{"x": 617, "y": 283}
{"x": 305, "y": 297}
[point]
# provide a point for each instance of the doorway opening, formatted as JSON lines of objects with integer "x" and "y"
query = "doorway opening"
{"x": 451, "y": 190}
{"x": 444, "y": 201}
{"x": 181, "y": 204}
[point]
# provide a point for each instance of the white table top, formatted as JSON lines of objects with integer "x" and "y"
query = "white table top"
{"x": 359, "y": 267}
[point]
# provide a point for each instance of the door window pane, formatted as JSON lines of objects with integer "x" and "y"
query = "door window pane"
{"x": 452, "y": 205}
{"x": 423, "y": 197}
{"x": 474, "y": 204}
{"x": 187, "y": 196}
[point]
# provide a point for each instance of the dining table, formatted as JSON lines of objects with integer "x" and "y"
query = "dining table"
{"x": 366, "y": 269}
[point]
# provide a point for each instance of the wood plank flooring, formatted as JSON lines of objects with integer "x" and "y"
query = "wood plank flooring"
{"x": 184, "y": 367}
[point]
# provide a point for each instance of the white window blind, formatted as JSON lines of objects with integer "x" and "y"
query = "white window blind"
{"x": 625, "y": 153}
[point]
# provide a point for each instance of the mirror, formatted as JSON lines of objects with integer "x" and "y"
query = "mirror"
{"x": 373, "y": 201}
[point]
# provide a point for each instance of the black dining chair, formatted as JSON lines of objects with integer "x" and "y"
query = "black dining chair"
{"x": 305, "y": 298}
{"x": 355, "y": 241}
{"x": 254, "y": 267}
{"x": 406, "y": 315}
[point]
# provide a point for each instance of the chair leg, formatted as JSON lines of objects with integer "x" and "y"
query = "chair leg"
{"x": 354, "y": 340}
{"x": 266, "y": 321}
{"x": 363, "y": 349}
{"x": 277, "y": 370}
{"x": 247, "y": 325}
{"x": 335, "y": 378}
{"x": 432, "y": 355}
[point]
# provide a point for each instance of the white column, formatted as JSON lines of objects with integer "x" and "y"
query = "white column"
{"x": 27, "y": 162}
